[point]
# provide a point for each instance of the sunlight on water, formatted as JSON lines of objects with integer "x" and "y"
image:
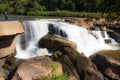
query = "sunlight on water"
{"x": 35, "y": 30}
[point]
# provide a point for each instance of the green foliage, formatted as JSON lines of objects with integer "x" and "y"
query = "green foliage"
{"x": 10, "y": 10}
{"x": 59, "y": 13}
{"x": 3, "y": 7}
{"x": 58, "y": 77}
{"x": 38, "y": 7}
{"x": 19, "y": 7}
{"x": 54, "y": 75}
{"x": 55, "y": 66}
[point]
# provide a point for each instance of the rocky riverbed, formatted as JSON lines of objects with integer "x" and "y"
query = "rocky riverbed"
{"x": 103, "y": 65}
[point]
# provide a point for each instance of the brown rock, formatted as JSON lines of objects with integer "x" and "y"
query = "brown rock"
{"x": 3, "y": 75}
{"x": 114, "y": 35}
{"x": 86, "y": 69}
{"x": 10, "y": 66}
{"x": 115, "y": 28}
{"x": 107, "y": 41}
{"x": 8, "y": 31}
{"x": 108, "y": 66}
{"x": 2, "y": 61}
{"x": 10, "y": 28}
{"x": 61, "y": 42}
{"x": 115, "y": 54}
{"x": 84, "y": 22}
{"x": 67, "y": 66}
{"x": 35, "y": 68}
{"x": 9, "y": 46}
{"x": 16, "y": 77}
{"x": 6, "y": 41}
{"x": 56, "y": 30}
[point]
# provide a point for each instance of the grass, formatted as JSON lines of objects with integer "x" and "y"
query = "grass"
{"x": 49, "y": 14}
{"x": 54, "y": 74}
{"x": 31, "y": 15}
{"x": 67, "y": 14}
{"x": 58, "y": 77}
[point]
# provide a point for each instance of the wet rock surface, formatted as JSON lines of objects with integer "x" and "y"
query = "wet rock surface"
{"x": 114, "y": 35}
{"x": 67, "y": 65}
{"x": 70, "y": 61}
{"x": 85, "y": 68}
{"x": 109, "y": 67}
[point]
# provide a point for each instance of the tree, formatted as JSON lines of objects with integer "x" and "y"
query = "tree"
{"x": 3, "y": 7}
{"x": 25, "y": 6}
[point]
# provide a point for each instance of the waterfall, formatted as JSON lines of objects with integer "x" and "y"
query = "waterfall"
{"x": 108, "y": 37}
{"x": 86, "y": 43}
{"x": 27, "y": 44}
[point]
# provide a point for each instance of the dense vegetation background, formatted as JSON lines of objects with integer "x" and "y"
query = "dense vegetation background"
{"x": 45, "y": 7}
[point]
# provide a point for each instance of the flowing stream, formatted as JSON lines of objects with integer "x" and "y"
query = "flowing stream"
{"x": 27, "y": 44}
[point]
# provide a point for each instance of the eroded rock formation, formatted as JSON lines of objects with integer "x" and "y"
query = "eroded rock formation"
{"x": 114, "y": 35}
{"x": 80, "y": 67}
{"x": 8, "y": 32}
{"x": 108, "y": 66}
{"x": 85, "y": 68}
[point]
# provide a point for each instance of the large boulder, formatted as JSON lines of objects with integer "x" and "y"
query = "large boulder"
{"x": 8, "y": 28}
{"x": 115, "y": 54}
{"x": 56, "y": 30}
{"x": 108, "y": 66}
{"x": 56, "y": 43}
{"x": 10, "y": 66}
{"x": 84, "y": 22}
{"x": 67, "y": 65}
{"x": 8, "y": 32}
{"x": 114, "y": 35}
{"x": 115, "y": 28}
{"x": 36, "y": 69}
{"x": 85, "y": 68}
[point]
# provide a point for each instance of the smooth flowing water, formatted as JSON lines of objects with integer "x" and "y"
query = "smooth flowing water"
{"x": 27, "y": 44}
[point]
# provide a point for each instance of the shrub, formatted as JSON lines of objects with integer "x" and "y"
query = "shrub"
{"x": 54, "y": 75}
{"x": 57, "y": 77}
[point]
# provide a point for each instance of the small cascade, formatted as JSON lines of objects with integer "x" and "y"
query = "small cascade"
{"x": 27, "y": 44}
{"x": 86, "y": 43}
{"x": 107, "y": 37}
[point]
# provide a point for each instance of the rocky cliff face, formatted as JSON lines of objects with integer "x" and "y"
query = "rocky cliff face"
{"x": 8, "y": 32}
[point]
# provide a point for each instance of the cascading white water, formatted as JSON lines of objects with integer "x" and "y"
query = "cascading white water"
{"x": 107, "y": 37}
{"x": 34, "y": 30}
{"x": 86, "y": 42}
